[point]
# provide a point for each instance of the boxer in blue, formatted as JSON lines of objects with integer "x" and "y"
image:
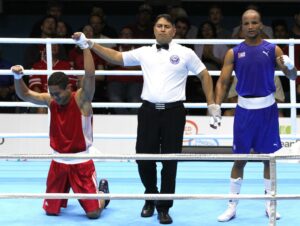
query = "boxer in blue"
{"x": 256, "y": 124}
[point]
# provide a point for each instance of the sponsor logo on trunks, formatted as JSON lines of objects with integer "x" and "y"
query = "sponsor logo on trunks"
{"x": 241, "y": 54}
{"x": 174, "y": 59}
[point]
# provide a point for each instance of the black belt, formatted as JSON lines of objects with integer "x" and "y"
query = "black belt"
{"x": 162, "y": 106}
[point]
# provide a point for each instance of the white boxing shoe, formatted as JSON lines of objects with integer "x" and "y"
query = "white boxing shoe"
{"x": 268, "y": 212}
{"x": 229, "y": 213}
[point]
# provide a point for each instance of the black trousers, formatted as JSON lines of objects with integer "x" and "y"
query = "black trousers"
{"x": 159, "y": 131}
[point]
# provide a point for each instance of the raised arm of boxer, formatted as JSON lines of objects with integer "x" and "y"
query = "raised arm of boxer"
{"x": 110, "y": 55}
{"x": 85, "y": 94}
{"x": 24, "y": 92}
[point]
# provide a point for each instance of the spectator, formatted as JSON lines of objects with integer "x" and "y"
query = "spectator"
{"x": 37, "y": 52}
{"x": 107, "y": 30}
{"x": 143, "y": 26}
{"x": 182, "y": 25}
{"x": 7, "y": 89}
{"x": 97, "y": 22}
{"x": 211, "y": 55}
{"x": 54, "y": 9}
{"x": 215, "y": 15}
{"x": 179, "y": 12}
{"x": 295, "y": 32}
{"x": 38, "y": 83}
{"x": 63, "y": 30}
{"x": 125, "y": 88}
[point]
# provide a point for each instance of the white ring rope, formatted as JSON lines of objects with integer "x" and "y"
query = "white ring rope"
{"x": 183, "y": 157}
{"x": 104, "y": 72}
{"x": 180, "y": 157}
{"x": 133, "y": 136}
{"x": 143, "y": 196}
{"x": 137, "y": 105}
{"x": 290, "y": 41}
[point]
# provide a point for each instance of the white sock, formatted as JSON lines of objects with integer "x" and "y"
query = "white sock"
{"x": 267, "y": 183}
{"x": 235, "y": 188}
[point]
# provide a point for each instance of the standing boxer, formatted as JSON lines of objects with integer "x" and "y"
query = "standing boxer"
{"x": 256, "y": 124}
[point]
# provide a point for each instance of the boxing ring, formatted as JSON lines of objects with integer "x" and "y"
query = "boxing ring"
{"x": 202, "y": 181}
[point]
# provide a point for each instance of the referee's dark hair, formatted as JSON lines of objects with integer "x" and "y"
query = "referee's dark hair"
{"x": 167, "y": 17}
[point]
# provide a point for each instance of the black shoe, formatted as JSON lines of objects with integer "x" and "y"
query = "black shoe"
{"x": 164, "y": 217}
{"x": 103, "y": 186}
{"x": 148, "y": 210}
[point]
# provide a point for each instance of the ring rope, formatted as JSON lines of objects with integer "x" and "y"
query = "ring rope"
{"x": 185, "y": 157}
{"x": 106, "y": 72}
{"x": 133, "y": 136}
{"x": 143, "y": 196}
{"x": 10, "y": 40}
{"x": 137, "y": 105}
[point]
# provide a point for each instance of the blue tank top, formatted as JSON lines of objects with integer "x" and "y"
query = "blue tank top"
{"x": 254, "y": 67}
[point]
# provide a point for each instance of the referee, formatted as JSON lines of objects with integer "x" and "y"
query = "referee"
{"x": 161, "y": 118}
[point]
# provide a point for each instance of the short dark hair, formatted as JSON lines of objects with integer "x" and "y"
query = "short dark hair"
{"x": 280, "y": 22}
{"x": 213, "y": 27}
{"x": 48, "y": 17}
{"x": 58, "y": 79}
{"x": 183, "y": 20}
{"x": 167, "y": 17}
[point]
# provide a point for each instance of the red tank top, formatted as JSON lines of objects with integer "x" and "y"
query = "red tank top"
{"x": 70, "y": 131}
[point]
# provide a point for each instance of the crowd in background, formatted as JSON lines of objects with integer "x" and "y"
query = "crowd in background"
{"x": 128, "y": 88}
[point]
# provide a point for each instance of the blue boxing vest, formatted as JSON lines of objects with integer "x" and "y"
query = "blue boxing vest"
{"x": 254, "y": 67}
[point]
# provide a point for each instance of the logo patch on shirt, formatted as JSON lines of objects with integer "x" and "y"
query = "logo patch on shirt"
{"x": 174, "y": 59}
{"x": 241, "y": 54}
{"x": 266, "y": 53}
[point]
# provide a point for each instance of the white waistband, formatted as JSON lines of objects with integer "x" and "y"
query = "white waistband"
{"x": 256, "y": 102}
{"x": 70, "y": 160}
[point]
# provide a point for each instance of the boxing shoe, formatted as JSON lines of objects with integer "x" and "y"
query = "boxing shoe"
{"x": 268, "y": 211}
{"x": 103, "y": 187}
{"x": 229, "y": 213}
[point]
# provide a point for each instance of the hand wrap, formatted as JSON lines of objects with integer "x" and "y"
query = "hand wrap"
{"x": 288, "y": 62}
{"x": 214, "y": 110}
{"x": 82, "y": 42}
{"x": 17, "y": 74}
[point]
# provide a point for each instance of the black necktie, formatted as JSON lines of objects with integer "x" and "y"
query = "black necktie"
{"x": 163, "y": 46}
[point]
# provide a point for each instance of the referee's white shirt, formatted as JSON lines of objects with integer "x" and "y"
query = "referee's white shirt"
{"x": 164, "y": 71}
